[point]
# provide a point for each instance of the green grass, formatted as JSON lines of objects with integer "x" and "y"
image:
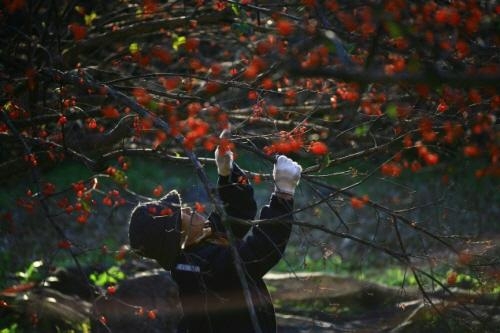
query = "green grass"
{"x": 389, "y": 274}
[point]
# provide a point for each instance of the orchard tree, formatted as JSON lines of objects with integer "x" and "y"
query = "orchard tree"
{"x": 368, "y": 95}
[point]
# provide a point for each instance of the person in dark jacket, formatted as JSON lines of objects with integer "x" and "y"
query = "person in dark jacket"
{"x": 220, "y": 281}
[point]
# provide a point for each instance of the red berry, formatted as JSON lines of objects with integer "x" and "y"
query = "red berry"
{"x": 357, "y": 203}
{"x": 318, "y": 148}
{"x": 152, "y": 314}
{"x": 472, "y": 151}
{"x": 62, "y": 120}
{"x": 111, "y": 290}
{"x": 284, "y": 27}
{"x": 431, "y": 158}
{"x": 64, "y": 244}
{"x": 199, "y": 207}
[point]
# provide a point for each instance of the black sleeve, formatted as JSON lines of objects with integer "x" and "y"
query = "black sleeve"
{"x": 265, "y": 244}
{"x": 237, "y": 195}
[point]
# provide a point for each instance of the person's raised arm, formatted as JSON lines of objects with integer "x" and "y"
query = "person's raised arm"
{"x": 234, "y": 190}
{"x": 264, "y": 246}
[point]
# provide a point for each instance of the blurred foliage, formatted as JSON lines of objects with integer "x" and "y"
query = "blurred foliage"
{"x": 112, "y": 275}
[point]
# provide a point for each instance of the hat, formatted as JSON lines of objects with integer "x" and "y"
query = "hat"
{"x": 155, "y": 229}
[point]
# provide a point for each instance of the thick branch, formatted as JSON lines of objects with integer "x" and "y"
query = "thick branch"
{"x": 71, "y": 55}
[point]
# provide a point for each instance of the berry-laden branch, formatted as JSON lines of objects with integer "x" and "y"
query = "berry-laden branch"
{"x": 85, "y": 82}
{"x": 397, "y": 217}
{"x": 8, "y": 168}
{"x": 77, "y": 144}
{"x": 71, "y": 55}
{"x": 35, "y": 174}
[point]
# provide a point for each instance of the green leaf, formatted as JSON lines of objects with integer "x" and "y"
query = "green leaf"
{"x": 325, "y": 162}
{"x": 235, "y": 9}
{"x": 178, "y": 42}
{"x": 116, "y": 272}
{"x": 90, "y": 18}
{"x": 153, "y": 105}
{"x": 102, "y": 280}
{"x": 134, "y": 48}
{"x": 99, "y": 279}
{"x": 394, "y": 29}
{"x": 85, "y": 205}
{"x": 391, "y": 111}
{"x": 120, "y": 177}
{"x": 6, "y": 107}
{"x": 31, "y": 272}
{"x": 361, "y": 130}
{"x": 85, "y": 327}
{"x": 112, "y": 276}
{"x": 11, "y": 329}
{"x": 350, "y": 47}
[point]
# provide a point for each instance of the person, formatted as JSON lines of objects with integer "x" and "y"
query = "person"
{"x": 201, "y": 258}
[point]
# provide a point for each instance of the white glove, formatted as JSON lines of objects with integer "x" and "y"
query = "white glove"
{"x": 286, "y": 174}
{"x": 224, "y": 160}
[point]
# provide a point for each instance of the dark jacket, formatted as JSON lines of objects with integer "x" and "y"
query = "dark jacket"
{"x": 210, "y": 288}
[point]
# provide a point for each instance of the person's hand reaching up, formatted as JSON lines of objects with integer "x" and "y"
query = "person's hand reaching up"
{"x": 224, "y": 157}
{"x": 286, "y": 174}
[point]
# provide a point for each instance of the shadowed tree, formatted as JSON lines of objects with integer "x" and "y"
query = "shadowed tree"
{"x": 391, "y": 105}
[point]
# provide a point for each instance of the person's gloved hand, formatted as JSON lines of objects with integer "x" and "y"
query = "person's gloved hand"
{"x": 286, "y": 174}
{"x": 224, "y": 159}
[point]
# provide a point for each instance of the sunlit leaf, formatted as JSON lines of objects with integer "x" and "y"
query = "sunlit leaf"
{"x": 80, "y": 10}
{"x": 79, "y": 31}
{"x": 180, "y": 40}
{"x": 235, "y": 9}
{"x": 134, "y": 48}
{"x": 90, "y": 18}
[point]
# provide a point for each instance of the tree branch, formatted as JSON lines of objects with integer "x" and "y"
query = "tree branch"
{"x": 359, "y": 75}
{"x": 70, "y": 55}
